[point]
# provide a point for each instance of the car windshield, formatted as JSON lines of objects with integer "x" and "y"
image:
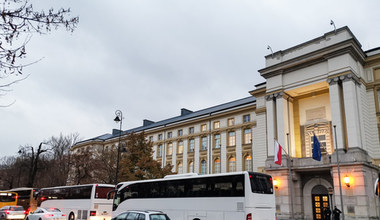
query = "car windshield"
{"x": 53, "y": 210}
{"x": 158, "y": 217}
{"x": 16, "y": 208}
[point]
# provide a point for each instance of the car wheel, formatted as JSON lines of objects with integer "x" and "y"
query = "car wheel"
{"x": 27, "y": 218}
{"x": 39, "y": 219}
{"x": 71, "y": 216}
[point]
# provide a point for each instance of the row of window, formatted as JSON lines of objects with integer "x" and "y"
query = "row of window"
{"x": 231, "y": 141}
{"x": 216, "y": 165}
{"x": 223, "y": 186}
{"x": 203, "y": 127}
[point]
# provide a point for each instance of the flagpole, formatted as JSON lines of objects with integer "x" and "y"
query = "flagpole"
{"x": 290, "y": 179}
{"x": 340, "y": 185}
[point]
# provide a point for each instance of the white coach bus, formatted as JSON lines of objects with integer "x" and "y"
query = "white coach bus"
{"x": 238, "y": 195}
{"x": 87, "y": 202}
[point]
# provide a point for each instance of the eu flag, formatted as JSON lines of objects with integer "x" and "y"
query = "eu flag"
{"x": 316, "y": 149}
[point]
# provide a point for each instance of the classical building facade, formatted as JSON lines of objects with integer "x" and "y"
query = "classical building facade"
{"x": 213, "y": 140}
{"x": 328, "y": 87}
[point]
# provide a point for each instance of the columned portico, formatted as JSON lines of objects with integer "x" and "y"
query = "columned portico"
{"x": 315, "y": 89}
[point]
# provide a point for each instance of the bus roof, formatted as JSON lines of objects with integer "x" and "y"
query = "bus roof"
{"x": 186, "y": 176}
{"x": 94, "y": 184}
{"x": 21, "y": 188}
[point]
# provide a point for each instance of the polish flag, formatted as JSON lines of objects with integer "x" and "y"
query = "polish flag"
{"x": 277, "y": 153}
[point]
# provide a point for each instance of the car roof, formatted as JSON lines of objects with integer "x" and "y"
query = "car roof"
{"x": 145, "y": 211}
{"x": 16, "y": 206}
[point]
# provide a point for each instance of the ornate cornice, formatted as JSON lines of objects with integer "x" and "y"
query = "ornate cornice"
{"x": 277, "y": 95}
{"x": 344, "y": 78}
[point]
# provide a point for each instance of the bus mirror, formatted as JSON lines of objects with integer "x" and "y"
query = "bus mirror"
{"x": 110, "y": 194}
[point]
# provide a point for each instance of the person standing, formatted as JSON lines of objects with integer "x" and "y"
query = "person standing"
{"x": 336, "y": 213}
{"x": 328, "y": 213}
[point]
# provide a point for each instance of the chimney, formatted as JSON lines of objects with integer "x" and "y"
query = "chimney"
{"x": 116, "y": 131}
{"x": 147, "y": 122}
{"x": 185, "y": 111}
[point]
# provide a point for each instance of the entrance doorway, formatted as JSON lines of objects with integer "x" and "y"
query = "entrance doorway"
{"x": 320, "y": 201}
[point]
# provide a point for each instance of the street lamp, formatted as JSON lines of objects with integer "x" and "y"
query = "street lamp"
{"x": 118, "y": 118}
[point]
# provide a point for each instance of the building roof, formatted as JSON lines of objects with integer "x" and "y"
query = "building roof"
{"x": 185, "y": 115}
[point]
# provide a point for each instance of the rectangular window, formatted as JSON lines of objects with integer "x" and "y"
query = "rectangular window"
{"x": 321, "y": 139}
{"x": 247, "y": 136}
{"x": 217, "y": 141}
{"x": 231, "y": 138}
{"x": 151, "y": 138}
{"x": 231, "y": 122}
{"x": 160, "y": 137}
{"x": 159, "y": 153}
{"x": 191, "y": 130}
{"x": 170, "y": 134}
{"x": 204, "y": 143}
{"x": 203, "y": 127}
{"x": 246, "y": 118}
{"x": 180, "y": 132}
{"x": 191, "y": 145}
{"x": 180, "y": 147}
{"x": 170, "y": 149}
{"x": 216, "y": 124}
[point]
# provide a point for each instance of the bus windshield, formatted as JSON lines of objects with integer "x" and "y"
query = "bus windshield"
{"x": 8, "y": 197}
{"x": 102, "y": 191}
{"x": 261, "y": 183}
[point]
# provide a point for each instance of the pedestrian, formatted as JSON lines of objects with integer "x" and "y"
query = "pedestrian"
{"x": 336, "y": 213}
{"x": 328, "y": 213}
{"x": 324, "y": 213}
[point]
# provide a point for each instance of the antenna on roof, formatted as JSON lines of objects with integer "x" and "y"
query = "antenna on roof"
{"x": 269, "y": 48}
{"x": 332, "y": 23}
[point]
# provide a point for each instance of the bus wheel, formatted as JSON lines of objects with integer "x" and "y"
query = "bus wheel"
{"x": 71, "y": 216}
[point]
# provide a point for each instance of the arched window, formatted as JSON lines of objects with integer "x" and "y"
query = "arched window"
{"x": 217, "y": 165}
{"x": 179, "y": 168}
{"x": 191, "y": 167}
{"x": 248, "y": 163}
{"x": 232, "y": 164}
{"x": 203, "y": 167}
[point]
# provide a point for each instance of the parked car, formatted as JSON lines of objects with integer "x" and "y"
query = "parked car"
{"x": 12, "y": 212}
{"x": 141, "y": 215}
{"x": 46, "y": 214}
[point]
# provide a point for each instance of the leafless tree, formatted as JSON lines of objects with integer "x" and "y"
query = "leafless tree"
{"x": 18, "y": 21}
{"x": 9, "y": 175}
{"x": 60, "y": 158}
{"x": 33, "y": 155}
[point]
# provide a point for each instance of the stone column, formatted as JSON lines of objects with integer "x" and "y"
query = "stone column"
{"x": 271, "y": 123}
{"x": 174, "y": 157}
{"x": 223, "y": 152}
{"x": 259, "y": 141}
{"x": 238, "y": 149}
{"x": 351, "y": 109}
{"x": 282, "y": 120}
{"x": 336, "y": 111}
{"x": 196, "y": 155}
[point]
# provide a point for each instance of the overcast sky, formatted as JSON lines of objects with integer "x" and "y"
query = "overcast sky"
{"x": 150, "y": 58}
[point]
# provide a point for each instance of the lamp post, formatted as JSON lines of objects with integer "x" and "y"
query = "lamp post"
{"x": 118, "y": 118}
